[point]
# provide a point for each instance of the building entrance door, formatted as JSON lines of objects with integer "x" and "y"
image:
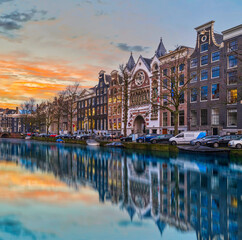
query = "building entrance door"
{"x": 139, "y": 125}
{"x": 164, "y": 131}
{"x": 215, "y": 131}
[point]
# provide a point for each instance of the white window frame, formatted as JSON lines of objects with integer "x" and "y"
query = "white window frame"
{"x": 212, "y": 72}
{"x": 212, "y": 56}
{"x": 212, "y": 92}
{"x": 201, "y": 47}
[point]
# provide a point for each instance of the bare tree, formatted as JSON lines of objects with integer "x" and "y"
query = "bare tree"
{"x": 28, "y": 109}
{"x": 40, "y": 116}
{"x": 59, "y": 106}
{"x": 49, "y": 115}
{"x": 175, "y": 88}
{"x": 71, "y": 94}
{"x": 125, "y": 77}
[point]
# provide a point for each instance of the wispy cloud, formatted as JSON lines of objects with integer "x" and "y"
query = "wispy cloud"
{"x": 15, "y": 20}
{"x": 127, "y": 48}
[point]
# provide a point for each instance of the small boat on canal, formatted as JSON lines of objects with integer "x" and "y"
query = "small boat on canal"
{"x": 202, "y": 149}
{"x": 92, "y": 142}
{"x": 115, "y": 144}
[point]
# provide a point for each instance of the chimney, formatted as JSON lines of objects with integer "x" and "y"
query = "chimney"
{"x": 16, "y": 110}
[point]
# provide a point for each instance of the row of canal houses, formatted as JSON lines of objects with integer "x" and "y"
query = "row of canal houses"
{"x": 212, "y": 101}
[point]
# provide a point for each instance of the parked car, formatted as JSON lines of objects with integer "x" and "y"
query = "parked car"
{"x": 127, "y": 139}
{"x": 86, "y": 136}
{"x": 235, "y": 143}
{"x": 203, "y": 141}
{"x": 67, "y": 136}
{"x": 43, "y": 135}
{"x": 222, "y": 141}
{"x": 145, "y": 138}
{"x": 186, "y": 137}
{"x": 164, "y": 138}
{"x": 52, "y": 135}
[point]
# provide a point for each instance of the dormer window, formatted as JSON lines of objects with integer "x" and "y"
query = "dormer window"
{"x": 204, "y": 47}
{"x": 233, "y": 46}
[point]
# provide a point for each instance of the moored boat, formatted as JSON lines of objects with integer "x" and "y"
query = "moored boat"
{"x": 92, "y": 142}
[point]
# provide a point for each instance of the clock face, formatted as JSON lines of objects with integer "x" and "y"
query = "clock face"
{"x": 140, "y": 78}
{"x": 204, "y": 38}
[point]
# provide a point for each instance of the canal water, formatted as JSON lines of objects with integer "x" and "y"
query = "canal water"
{"x": 69, "y": 192}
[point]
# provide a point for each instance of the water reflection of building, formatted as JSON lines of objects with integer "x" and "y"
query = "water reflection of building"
{"x": 188, "y": 195}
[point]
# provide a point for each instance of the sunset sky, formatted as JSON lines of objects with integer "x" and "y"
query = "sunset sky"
{"x": 49, "y": 44}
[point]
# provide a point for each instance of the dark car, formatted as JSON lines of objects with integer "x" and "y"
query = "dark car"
{"x": 222, "y": 141}
{"x": 61, "y": 136}
{"x": 203, "y": 141}
{"x": 164, "y": 138}
{"x": 145, "y": 138}
{"x": 87, "y": 136}
{"x": 127, "y": 139}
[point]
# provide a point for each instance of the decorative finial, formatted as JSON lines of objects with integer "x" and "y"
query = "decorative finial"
{"x": 160, "y": 38}
{"x": 131, "y": 53}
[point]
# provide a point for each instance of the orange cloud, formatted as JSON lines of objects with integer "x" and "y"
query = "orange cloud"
{"x": 17, "y": 183}
{"x": 21, "y": 80}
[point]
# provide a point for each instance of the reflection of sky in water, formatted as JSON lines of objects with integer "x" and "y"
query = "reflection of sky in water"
{"x": 28, "y": 211}
{"x": 76, "y": 221}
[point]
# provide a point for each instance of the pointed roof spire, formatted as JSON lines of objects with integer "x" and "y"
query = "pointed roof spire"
{"x": 131, "y": 63}
{"x": 161, "y": 51}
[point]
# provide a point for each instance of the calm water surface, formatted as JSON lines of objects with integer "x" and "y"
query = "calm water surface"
{"x": 54, "y": 191}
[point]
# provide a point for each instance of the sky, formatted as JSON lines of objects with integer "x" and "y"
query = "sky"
{"x": 46, "y": 45}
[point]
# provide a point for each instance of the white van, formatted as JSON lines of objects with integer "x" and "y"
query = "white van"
{"x": 186, "y": 137}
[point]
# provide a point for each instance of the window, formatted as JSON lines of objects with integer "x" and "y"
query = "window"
{"x": 173, "y": 69}
{"x": 214, "y": 182}
{"x": 204, "y": 93}
{"x": 193, "y": 118}
{"x": 165, "y": 102}
{"x": 215, "y": 116}
{"x": 232, "y": 96}
{"x": 181, "y": 98}
{"x": 204, "y": 117}
{"x": 232, "y": 117}
{"x": 193, "y": 77}
{"x": 215, "y": 91}
{"x": 181, "y": 67}
{"x": 193, "y": 95}
{"x": 165, "y": 72}
{"x": 215, "y": 202}
{"x": 181, "y": 118}
{"x": 232, "y": 46}
{"x": 172, "y": 119}
{"x": 181, "y": 80}
{"x": 165, "y": 83}
{"x": 233, "y": 61}
{"x": 204, "y": 74}
{"x": 204, "y": 60}
{"x": 232, "y": 77}
{"x": 215, "y": 72}
{"x": 215, "y": 56}
{"x": 193, "y": 62}
{"x": 204, "y": 199}
{"x": 194, "y": 197}
{"x": 204, "y": 47}
{"x": 164, "y": 119}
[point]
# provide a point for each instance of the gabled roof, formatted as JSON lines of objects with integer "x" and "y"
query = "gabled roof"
{"x": 131, "y": 63}
{"x": 147, "y": 61}
{"x": 218, "y": 38}
{"x": 161, "y": 51}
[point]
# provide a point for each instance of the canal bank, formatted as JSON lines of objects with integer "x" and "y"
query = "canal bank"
{"x": 234, "y": 154}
